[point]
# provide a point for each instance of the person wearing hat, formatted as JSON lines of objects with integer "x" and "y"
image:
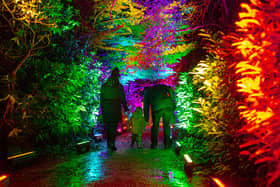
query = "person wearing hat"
{"x": 112, "y": 97}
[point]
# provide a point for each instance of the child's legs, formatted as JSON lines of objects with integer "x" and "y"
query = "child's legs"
{"x": 139, "y": 139}
{"x": 133, "y": 139}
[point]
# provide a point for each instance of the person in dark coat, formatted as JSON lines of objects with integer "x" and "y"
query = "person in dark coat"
{"x": 161, "y": 99}
{"x": 111, "y": 98}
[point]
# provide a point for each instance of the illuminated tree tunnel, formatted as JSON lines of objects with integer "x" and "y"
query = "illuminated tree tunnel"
{"x": 220, "y": 57}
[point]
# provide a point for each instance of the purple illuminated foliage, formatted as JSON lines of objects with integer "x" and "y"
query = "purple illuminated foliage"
{"x": 134, "y": 89}
{"x": 162, "y": 19}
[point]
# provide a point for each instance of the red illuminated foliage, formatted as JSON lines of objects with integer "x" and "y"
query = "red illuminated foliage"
{"x": 257, "y": 66}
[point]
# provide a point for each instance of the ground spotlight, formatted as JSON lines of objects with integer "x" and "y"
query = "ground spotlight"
{"x": 178, "y": 148}
{"x": 4, "y": 180}
{"x": 217, "y": 182}
{"x": 188, "y": 166}
{"x": 98, "y": 137}
{"x": 83, "y": 146}
{"x": 21, "y": 159}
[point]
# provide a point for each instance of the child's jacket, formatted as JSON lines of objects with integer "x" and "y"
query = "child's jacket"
{"x": 137, "y": 123}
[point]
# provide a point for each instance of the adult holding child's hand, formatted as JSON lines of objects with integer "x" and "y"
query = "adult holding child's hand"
{"x": 112, "y": 97}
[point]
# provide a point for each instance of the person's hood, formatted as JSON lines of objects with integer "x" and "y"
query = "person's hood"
{"x": 112, "y": 82}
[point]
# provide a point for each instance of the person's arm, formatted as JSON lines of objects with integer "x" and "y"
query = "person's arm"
{"x": 123, "y": 99}
{"x": 143, "y": 126}
{"x": 129, "y": 125}
{"x": 146, "y": 106}
{"x": 101, "y": 96}
{"x": 172, "y": 97}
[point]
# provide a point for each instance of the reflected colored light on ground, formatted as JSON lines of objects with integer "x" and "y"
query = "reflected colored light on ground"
{"x": 94, "y": 167}
{"x": 175, "y": 177}
{"x": 80, "y": 170}
{"x": 171, "y": 177}
{"x": 149, "y": 167}
{"x": 218, "y": 182}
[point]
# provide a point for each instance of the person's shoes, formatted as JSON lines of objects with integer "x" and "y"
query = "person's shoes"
{"x": 139, "y": 147}
{"x": 112, "y": 148}
{"x": 153, "y": 147}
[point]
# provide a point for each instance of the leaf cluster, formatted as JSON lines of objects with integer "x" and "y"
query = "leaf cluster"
{"x": 218, "y": 117}
{"x": 256, "y": 49}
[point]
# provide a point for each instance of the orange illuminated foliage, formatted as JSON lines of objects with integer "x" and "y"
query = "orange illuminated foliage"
{"x": 257, "y": 51}
{"x": 251, "y": 12}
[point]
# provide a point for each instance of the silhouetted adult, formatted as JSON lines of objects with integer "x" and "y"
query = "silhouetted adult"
{"x": 162, "y": 101}
{"x": 111, "y": 98}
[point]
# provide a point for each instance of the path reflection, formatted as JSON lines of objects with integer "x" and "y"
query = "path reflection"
{"x": 81, "y": 169}
{"x": 146, "y": 166}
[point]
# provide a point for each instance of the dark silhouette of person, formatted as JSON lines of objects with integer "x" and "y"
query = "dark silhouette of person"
{"x": 161, "y": 99}
{"x": 111, "y": 98}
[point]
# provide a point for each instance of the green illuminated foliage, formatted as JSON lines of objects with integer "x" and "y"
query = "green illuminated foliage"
{"x": 54, "y": 109}
{"x": 64, "y": 101}
{"x": 190, "y": 137}
{"x": 62, "y": 14}
{"x": 27, "y": 27}
{"x": 91, "y": 92}
{"x": 184, "y": 99}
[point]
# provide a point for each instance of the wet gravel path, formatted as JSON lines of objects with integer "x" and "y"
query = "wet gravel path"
{"x": 124, "y": 167}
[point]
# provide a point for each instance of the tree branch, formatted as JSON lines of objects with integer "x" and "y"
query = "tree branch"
{"x": 22, "y": 61}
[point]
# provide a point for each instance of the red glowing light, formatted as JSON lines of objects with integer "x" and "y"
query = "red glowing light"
{"x": 218, "y": 182}
{"x": 3, "y": 177}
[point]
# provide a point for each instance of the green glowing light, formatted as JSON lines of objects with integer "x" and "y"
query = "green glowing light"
{"x": 83, "y": 142}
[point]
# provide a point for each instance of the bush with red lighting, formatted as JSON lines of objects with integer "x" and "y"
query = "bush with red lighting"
{"x": 258, "y": 71}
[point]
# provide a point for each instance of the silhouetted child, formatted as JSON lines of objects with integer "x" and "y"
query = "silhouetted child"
{"x": 138, "y": 125}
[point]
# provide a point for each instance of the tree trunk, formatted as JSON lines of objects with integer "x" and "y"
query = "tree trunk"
{"x": 3, "y": 144}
